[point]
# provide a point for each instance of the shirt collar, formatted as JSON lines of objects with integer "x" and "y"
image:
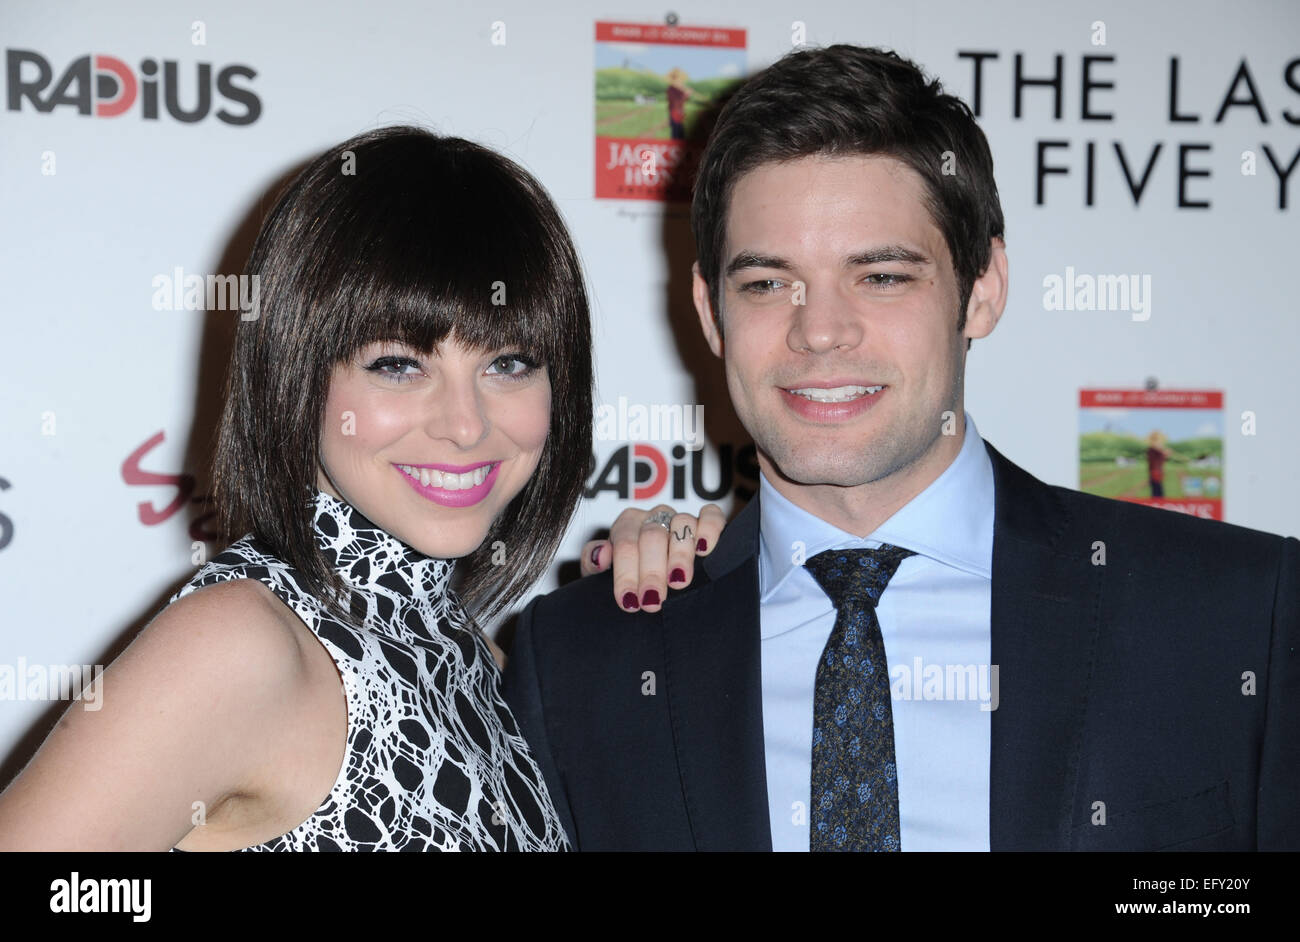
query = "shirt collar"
{"x": 951, "y": 522}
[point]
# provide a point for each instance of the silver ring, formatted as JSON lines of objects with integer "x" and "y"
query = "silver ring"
{"x": 661, "y": 517}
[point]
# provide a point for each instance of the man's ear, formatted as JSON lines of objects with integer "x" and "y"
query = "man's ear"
{"x": 704, "y": 308}
{"x": 988, "y": 296}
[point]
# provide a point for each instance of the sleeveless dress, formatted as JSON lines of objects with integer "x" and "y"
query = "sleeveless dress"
{"x": 434, "y": 759}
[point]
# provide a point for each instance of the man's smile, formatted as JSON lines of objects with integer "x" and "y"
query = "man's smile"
{"x": 832, "y": 402}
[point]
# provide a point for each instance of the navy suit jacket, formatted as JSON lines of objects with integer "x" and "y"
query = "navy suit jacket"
{"x": 1125, "y": 689}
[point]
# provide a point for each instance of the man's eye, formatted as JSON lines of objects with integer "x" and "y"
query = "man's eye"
{"x": 885, "y": 279}
{"x": 763, "y": 286}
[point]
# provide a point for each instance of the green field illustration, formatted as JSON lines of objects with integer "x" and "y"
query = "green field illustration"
{"x": 634, "y": 103}
{"x": 1115, "y": 464}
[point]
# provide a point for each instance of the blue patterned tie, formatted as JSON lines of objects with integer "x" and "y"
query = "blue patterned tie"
{"x": 854, "y": 779}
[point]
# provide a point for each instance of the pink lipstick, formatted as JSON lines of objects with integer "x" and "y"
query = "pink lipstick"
{"x": 449, "y": 497}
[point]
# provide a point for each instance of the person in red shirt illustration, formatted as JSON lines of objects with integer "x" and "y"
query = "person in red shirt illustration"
{"x": 677, "y": 95}
{"x": 1157, "y": 453}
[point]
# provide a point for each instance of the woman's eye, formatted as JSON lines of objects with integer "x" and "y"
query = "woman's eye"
{"x": 514, "y": 365}
{"x": 395, "y": 367}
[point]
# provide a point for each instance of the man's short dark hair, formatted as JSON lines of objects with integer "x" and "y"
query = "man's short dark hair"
{"x": 847, "y": 100}
{"x": 410, "y": 246}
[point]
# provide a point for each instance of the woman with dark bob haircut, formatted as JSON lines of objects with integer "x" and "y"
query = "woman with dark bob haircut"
{"x": 416, "y": 388}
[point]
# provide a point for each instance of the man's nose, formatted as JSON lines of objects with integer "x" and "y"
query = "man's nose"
{"x": 825, "y": 320}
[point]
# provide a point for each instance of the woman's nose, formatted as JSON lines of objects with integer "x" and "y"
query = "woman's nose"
{"x": 456, "y": 414}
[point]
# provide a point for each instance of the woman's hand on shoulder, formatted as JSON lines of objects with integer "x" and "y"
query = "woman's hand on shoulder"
{"x": 649, "y": 557}
{"x": 183, "y": 719}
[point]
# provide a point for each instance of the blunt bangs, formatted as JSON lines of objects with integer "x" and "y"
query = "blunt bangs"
{"x": 456, "y": 247}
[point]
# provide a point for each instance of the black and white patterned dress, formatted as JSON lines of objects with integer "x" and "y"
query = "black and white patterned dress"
{"x": 434, "y": 758}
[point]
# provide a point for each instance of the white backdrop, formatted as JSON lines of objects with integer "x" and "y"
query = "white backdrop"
{"x": 95, "y": 207}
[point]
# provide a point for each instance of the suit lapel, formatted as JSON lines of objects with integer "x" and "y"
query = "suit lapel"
{"x": 715, "y": 697}
{"x": 1044, "y": 622}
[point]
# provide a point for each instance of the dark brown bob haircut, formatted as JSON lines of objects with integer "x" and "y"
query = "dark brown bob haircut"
{"x": 402, "y": 235}
{"x": 847, "y": 100}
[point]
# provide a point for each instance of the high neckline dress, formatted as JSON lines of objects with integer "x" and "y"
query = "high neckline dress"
{"x": 434, "y": 758}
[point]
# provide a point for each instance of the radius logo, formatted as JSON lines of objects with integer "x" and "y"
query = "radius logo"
{"x": 641, "y": 472}
{"x": 104, "y": 86}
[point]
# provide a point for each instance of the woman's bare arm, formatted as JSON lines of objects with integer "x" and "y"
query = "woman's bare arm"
{"x": 199, "y": 701}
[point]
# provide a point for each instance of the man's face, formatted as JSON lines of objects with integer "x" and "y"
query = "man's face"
{"x": 840, "y": 309}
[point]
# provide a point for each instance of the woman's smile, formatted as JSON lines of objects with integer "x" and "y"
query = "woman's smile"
{"x": 445, "y": 485}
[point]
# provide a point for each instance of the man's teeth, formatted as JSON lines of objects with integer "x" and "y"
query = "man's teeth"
{"x": 838, "y": 394}
{"x": 432, "y": 477}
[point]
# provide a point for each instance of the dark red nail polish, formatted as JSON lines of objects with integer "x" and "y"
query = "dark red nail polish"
{"x": 679, "y": 575}
{"x": 629, "y": 601}
{"x": 700, "y": 546}
{"x": 595, "y": 555}
{"x": 651, "y": 597}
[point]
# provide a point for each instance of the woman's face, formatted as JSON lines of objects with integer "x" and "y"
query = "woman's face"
{"x": 432, "y": 447}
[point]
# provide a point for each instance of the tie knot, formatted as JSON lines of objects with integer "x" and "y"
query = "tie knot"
{"x": 858, "y": 575}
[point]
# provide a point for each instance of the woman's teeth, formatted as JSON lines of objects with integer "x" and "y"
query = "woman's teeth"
{"x": 838, "y": 394}
{"x": 432, "y": 477}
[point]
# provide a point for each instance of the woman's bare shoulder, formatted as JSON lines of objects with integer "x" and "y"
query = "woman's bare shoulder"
{"x": 246, "y": 608}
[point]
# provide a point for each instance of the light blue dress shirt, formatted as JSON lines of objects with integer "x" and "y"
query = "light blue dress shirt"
{"x": 934, "y": 618}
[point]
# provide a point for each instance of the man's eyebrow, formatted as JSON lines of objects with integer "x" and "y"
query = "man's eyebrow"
{"x": 887, "y": 253}
{"x": 874, "y": 256}
{"x": 746, "y": 260}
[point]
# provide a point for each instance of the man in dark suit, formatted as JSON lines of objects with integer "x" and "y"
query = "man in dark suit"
{"x": 905, "y": 641}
